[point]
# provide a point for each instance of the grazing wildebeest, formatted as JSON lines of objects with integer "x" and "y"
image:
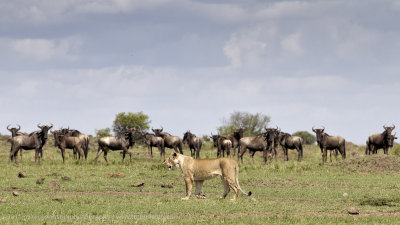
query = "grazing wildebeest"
{"x": 327, "y": 142}
{"x": 151, "y": 141}
{"x": 235, "y": 137}
{"x": 83, "y": 138}
{"x": 287, "y": 141}
{"x": 63, "y": 141}
{"x": 36, "y": 140}
{"x": 257, "y": 143}
{"x": 122, "y": 142}
{"x": 223, "y": 144}
{"x": 193, "y": 142}
{"x": 170, "y": 141}
{"x": 378, "y": 141}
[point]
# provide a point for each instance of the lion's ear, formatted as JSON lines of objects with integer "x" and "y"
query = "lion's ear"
{"x": 174, "y": 155}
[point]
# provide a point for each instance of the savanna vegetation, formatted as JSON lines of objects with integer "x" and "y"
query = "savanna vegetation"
{"x": 292, "y": 192}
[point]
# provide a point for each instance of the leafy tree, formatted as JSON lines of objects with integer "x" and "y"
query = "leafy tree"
{"x": 308, "y": 138}
{"x": 103, "y": 132}
{"x": 252, "y": 123}
{"x": 129, "y": 120}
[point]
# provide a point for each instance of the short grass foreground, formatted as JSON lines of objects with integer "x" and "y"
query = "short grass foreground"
{"x": 145, "y": 191}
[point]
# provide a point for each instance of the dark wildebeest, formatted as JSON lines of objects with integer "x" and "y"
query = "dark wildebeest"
{"x": 193, "y": 142}
{"x": 14, "y": 132}
{"x": 378, "y": 141}
{"x": 84, "y": 139}
{"x": 287, "y": 141}
{"x": 170, "y": 141}
{"x": 327, "y": 142}
{"x": 257, "y": 143}
{"x": 273, "y": 139}
{"x": 151, "y": 141}
{"x": 63, "y": 141}
{"x": 36, "y": 140}
{"x": 122, "y": 142}
{"x": 235, "y": 137}
{"x": 223, "y": 144}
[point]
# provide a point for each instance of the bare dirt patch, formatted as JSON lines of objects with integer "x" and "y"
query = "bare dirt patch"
{"x": 371, "y": 164}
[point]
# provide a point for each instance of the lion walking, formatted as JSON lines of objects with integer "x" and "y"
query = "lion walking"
{"x": 199, "y": 170}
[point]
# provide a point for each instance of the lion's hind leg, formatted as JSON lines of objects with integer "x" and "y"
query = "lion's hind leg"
{"x": 199, "y": 186}
{"x": 226, "y": 187}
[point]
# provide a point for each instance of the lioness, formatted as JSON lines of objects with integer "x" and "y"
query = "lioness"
{"x": 198, "y": 170}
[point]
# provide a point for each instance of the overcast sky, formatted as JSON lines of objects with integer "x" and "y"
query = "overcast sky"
{"x": 188, "y": 64}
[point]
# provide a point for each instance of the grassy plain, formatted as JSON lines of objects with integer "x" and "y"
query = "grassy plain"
{"x": 306, "y": 192}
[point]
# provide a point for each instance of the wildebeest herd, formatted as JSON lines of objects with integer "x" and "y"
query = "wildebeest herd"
{"x": 230, "y": 144}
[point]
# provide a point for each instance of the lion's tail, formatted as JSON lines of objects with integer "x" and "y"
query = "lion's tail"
{"x": 237, "y": 181}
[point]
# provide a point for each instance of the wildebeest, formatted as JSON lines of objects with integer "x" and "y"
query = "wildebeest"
{"x": 151, "y": 141}
{"x": 121, "y": 142}
{"x": 14, "y": 131}
{"x": 327, "y": 142}
{"x": 170, "y": 141}
{"x": 36, "y": 140}
{"x": 193, "y": 142}
{"x": 84, "y": 139}
{"x": 223, "y": 144}
{"x": 257, "y": 143}
{"x": 65, "y": 140}
{"x": 273, "y": 139}
{"x": 287, "y": 141}
{"x": 235, "y": 137}
{"x": 378, "y": 141}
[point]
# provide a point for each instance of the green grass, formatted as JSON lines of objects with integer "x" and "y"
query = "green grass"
{"x": 292, "y": 192}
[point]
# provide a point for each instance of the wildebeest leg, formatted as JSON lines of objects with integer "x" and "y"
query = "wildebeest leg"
{"x": 98, "y": 154}
{"x": 199, "y": 185}
{"x": 285, "y": 152}
{"x": 37, "y": 155}
{"x": 324, "y": 155}
{"x": 151, "y": 151}
{"x": 265, "y": 155}
{"x": 241, "y": 153}
{"x": 81, "y": 154}
{"x": 123, "y": 155}
{"x": 105, "y": 155}
{"x": 63, "y": 154}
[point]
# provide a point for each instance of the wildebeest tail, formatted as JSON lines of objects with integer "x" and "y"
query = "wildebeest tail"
{"x": 237, "y": 181}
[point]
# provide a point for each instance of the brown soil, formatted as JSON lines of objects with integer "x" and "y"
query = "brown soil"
{"x": 381, "y": 163}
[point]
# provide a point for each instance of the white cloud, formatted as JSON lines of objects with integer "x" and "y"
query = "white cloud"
{"x": 292, "y": 44}
{"x": 46, "y": 49}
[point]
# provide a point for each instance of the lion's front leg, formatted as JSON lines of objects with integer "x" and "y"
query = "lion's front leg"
{"x": 189, "y": 183}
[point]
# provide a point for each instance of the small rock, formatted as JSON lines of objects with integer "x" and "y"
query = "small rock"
{"x": 14, "y": 187}
{"x": 15, "y": 193}
{"x": 54, "y": 184}
{"x": 92, "y": 175}
{"x": 118, "y": 175}
{"x": 58, "y": 199}
{"x": 345, "y": 194}
{"x": 353, "y": 211}
{"x": 39, "y": 181}
{"x": 139, "y": 184}
{"x": 292, "y": 178}
{"x": 167, "y": 185}
{"x": 2, "y": 200}
{"x": 21, "y": 174}
{"x": 66, "y": 178}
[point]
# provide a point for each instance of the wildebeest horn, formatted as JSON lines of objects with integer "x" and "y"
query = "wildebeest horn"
{"x": 19, "y": 127}
{"x": 313, "y": 129}
{"x": 8, "y": 128}
{"x": 52, "y": 126}
{"x": 323, "y": 128}
{"x": 39, "y": 126}
{"x": 161, "y": 129}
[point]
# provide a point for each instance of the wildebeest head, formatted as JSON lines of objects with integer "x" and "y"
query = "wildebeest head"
{"x": 187, "y": 136}
{"x": 215, "y": 138}
{"x": 318, "y": 133}
{"x": 389, "y": 129}
{"x": 56, "y": 135}
{"x": 13, "y": 130}
{"x": 157, "y": 132}
{"x": 44, "y": 130}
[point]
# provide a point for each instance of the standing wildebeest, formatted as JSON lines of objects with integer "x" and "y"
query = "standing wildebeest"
{"x": 151, "y": 141}
{"x": 14, "y": 132}
{"x": 84, "y": 139}
{"x": 122, "y": 142}
{"x": 327, "y": 142}
{"x": 63, "y": 141}
{"x": 35, "y": 140}
{"x": 235, "y": 137}
{"x": 257, "y": 143}
{"x": 170, "y": 141}
{"x": 378, "y": 141}
{"x": 193, "y": 142}
{"x": 287, "y": 141}
{"x": 273, "y": 139}
{"x": 223, "y": 144}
